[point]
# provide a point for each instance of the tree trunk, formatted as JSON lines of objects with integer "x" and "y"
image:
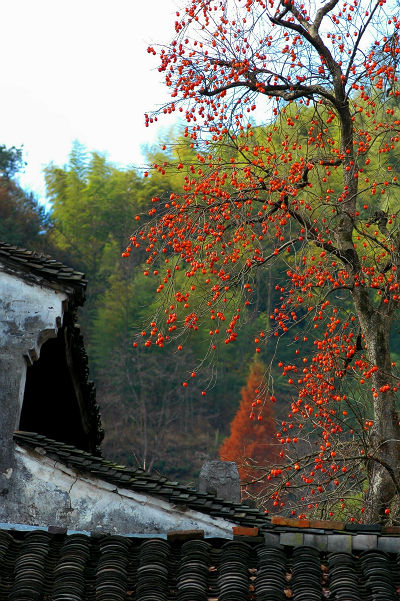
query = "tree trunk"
{"x": 383, "y": 455}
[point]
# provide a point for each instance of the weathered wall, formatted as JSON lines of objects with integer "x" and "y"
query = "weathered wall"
{"x": 30, "y": 313}
{"x": 44, "y": 492}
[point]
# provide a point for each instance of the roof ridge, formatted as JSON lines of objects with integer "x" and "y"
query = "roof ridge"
{"x": 46, "y": 266}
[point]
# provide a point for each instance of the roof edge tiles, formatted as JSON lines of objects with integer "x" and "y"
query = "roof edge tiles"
{"x": 138, "y": 480}
{"x": 324, "y": 541}
{"x": 36, "y": 265}
{"x": 326, "y": 535}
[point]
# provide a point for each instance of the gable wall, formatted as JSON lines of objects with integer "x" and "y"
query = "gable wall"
{"x": 45, "y": 492}
{"x": 30, "y": 314}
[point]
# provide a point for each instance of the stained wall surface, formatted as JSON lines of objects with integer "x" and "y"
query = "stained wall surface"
{"x": 46, "y": 492}
{"x": 29, "y": 315}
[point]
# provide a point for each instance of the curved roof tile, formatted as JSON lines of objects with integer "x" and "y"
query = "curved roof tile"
{"x": 42, "y": 565}
{"x": 45, "y": 267}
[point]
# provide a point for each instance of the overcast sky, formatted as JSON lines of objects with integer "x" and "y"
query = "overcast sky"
{"x": 80, "y": 70}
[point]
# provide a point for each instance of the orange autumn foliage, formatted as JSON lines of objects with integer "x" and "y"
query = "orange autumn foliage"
{"x": 252, "y": 442}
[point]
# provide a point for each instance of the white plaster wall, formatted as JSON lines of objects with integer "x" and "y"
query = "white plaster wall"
{"x": 48, "y": 493}
{"x": 26, "y": 310}
{"x": 30, "y": 313}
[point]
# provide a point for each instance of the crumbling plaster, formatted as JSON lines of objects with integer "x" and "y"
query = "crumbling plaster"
{"x": 48, "y": 493}
{"x": 30, "y": 314}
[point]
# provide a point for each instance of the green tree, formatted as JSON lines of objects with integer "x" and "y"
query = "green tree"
{"x": 23, "y": 222}
{"x": 11, "y": 161}
{"x": 150, "y": 417}
{"x": 93, "y": 206}
{"x": 91, "y": 199}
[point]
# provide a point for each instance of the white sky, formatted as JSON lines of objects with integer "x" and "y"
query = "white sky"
{"x": 79, "y": 69}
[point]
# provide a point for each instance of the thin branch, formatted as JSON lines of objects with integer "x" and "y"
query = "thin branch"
{"x": 323, "y": 11}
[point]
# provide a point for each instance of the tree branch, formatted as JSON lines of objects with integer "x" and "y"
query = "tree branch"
{"x": 322, "y": 12}
{"x": 285, "y": 91}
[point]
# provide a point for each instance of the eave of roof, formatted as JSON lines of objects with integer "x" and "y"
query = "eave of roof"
{"x": 325, "y": 534}
{"x": 138, "y": 480}
{"x": 43, "y": 267}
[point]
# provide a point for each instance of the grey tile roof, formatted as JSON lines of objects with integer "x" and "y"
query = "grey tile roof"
{"x": 45, "y": 267}
{"x": 138, "y": 480}
{"x": 44, "y": 566}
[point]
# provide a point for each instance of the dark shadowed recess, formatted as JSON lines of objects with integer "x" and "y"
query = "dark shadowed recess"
{"x": 59, "y": 402}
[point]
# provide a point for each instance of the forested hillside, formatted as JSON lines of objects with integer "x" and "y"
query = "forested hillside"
{"x": 163, "y": 409}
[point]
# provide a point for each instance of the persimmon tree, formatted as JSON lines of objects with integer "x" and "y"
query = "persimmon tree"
{"x": 292, "y": 116}
{"x": 252, "y": 441}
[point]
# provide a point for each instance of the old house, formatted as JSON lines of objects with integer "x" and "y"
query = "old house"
{"x": 51, "y": 469}
{"x": 76, "y": 526}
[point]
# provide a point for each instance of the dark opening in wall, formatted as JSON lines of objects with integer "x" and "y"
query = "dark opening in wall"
{"x": 51, "y": 406}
